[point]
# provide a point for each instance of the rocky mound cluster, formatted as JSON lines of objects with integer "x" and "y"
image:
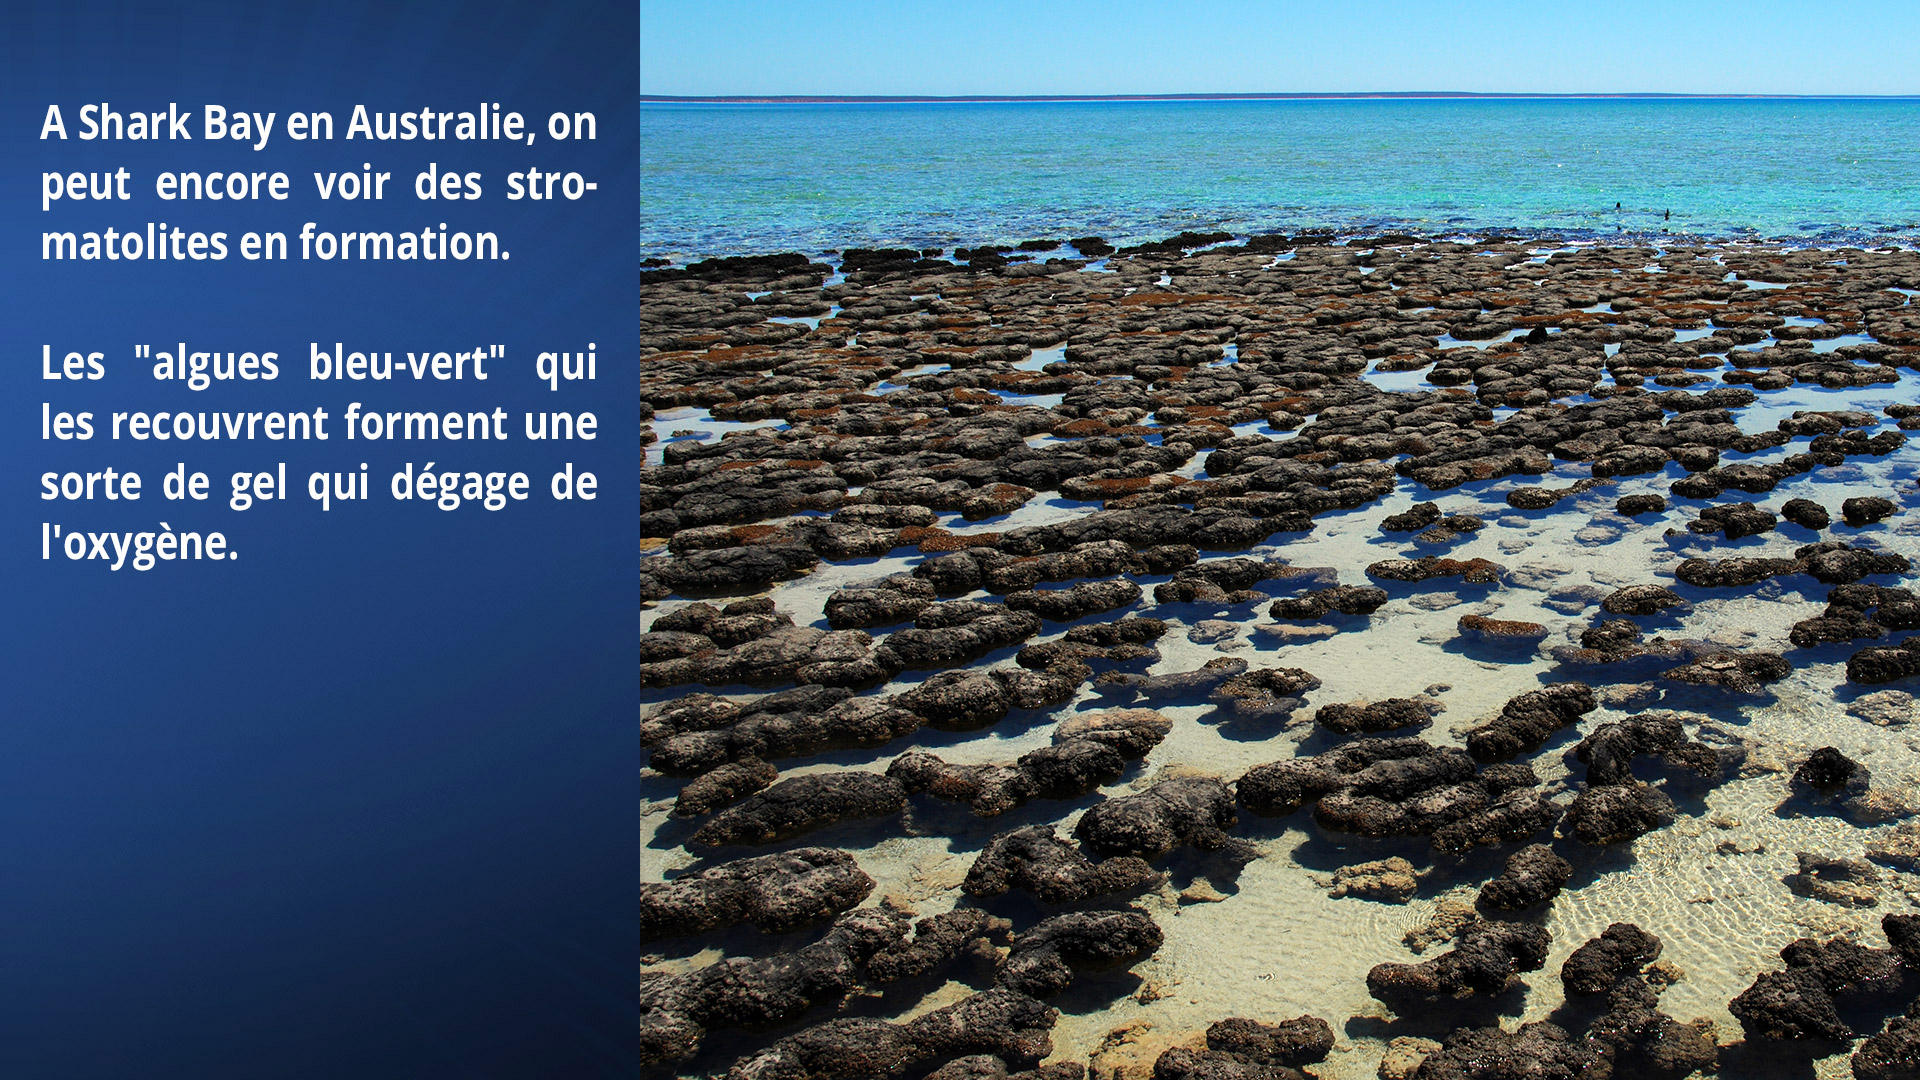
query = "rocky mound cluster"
{"x": 1065, "y": 468}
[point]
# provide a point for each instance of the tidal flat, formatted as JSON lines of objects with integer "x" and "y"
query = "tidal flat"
{"x": 1281, "y": 655}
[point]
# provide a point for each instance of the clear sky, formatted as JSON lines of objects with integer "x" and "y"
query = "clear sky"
{"x": 1126, "y": 47}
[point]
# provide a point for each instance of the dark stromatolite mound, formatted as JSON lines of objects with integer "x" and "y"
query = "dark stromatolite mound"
{"x": 988, "y": 790}
{"x": 1303, "y": 1040}
{"x": 1173, "y": 685}
{"x": 1413, "y": 520}
{"x": 988, "y": 1067}
{"x": 1641, "y": 600}
{"x": 1043, "y": 960}
{"x": 1610, "y": 750}
{"x": 1078, "y": 601}
{"x": 939, "y": 639}
{"x": 1098, "y": 558}
{"x": 1829, "y": 774}
{"x": 1858, "y": 611}
{"x": 1132, "y": 732}
{"x": 1526, "y": 721}
{"x": 1072, "y": 767}
{"x": 676, "y": 1010}
{"x": 1884, "y": 663}
{"x": 1403, "y": 787}
{"x": 775, "y": 893}
{"x": 1829, "y": 778}
{"x": 1510, "y": 631}
{"x": 1799, "y": 1002}
{"x": 935, "y": 942}
{"x": 800, "y": 804}
{"x": 1249, "y": 1050}
{"x": 1224, "y": 582}
{"x": 1806, "y": 513}
{"x": 971, "y": 699}
{"x": 723, "y": 787}
{"x": 1449, "y": 529}
{"x": 893, "y": 600}
{"x": 1487, "y": 959}
{"x": 1263, "y": 691}
{"x": 1537, "y": 1051}
{"x": 720, "y": 571}
{"x": 1470, "y": 571}
{"x": 1084, "y": 755}
{"x": 1893, "y": 1053}
{"x": 1638, "y": 1039}
{"x": 1036, "y": 860}
{"x": 1618, "y": 953}
{"x": 780, "y": 655}
{"x": 793, "y": 723}
{"x": 958, "y": 700}
{"x": 740, "y": 621}
{"x": 1735, "y": 521}
{"x": 1123, "y": 641}
{"x": 1375, "y": 716}
{"x": 1735, "y": 571}
{"x": 1534, "y": 875}
{"x": 1009, "y": 1026}
{"x": 701, "y": 712}
{"x": 1635, "y": 505}
{"x": 1742, "y": 673}
{"x": 1617, "y": 813}
{"x": 1316, "y": 603}
{"x": 1540, "y": 498}
{"x": 1865, "y": 511}
{"x": 1611, "y": 638}
{"x": 1831, "y": 562}
{"x": 1194, "y": 811}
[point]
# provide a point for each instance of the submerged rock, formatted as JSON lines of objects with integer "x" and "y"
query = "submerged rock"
{"x": 1403, "y": 787}
{"x": 1619, "y": 952}
{"x": 1847, "y": 882}
{"x": 1526, "y": 721}
{"x": 1036, "y": 860}
{"x": 1249, "y": 1050}
{"x": 1487, "y": 960}
{"x": 1316, "y": 603}
{"x": 1642, "y": 600}
{"x": 1742, "y": 673}
{"x": 1007, "y": 1025}
{"x": 1376, "y": 716}
{"x": 677, "y": 1010}
{"x": 1615, "y": 814}
{"x": 1043, "y": 961}
{"x": 1798, "y": 1003}
{"x": 1391, "y": 880}
{"x": 1534, "y": 875}
{"x": 1195, "y": 811}
{"x": 775, "y": 893}
{"x": 801, "y": 804}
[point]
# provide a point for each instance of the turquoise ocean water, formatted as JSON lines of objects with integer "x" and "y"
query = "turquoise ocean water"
{"x": 734, "y": 179}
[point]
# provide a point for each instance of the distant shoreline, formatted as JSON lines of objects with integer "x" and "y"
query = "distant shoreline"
{"x": 1417, "y": 95}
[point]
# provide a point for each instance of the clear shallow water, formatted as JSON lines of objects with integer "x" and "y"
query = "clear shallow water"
{"x": 733, "y": 179}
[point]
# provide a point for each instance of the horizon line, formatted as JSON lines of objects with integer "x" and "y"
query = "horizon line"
{"x": 880, "y": 99}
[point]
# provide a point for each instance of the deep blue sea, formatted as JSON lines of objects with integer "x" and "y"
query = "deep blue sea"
{"x": 735, "y": 179}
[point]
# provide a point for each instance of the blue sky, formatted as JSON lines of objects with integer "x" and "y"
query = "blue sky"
{"x": 1126, "y": 47}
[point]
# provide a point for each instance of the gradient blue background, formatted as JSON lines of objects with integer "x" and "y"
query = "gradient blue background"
{"x": 360, "y": 804}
